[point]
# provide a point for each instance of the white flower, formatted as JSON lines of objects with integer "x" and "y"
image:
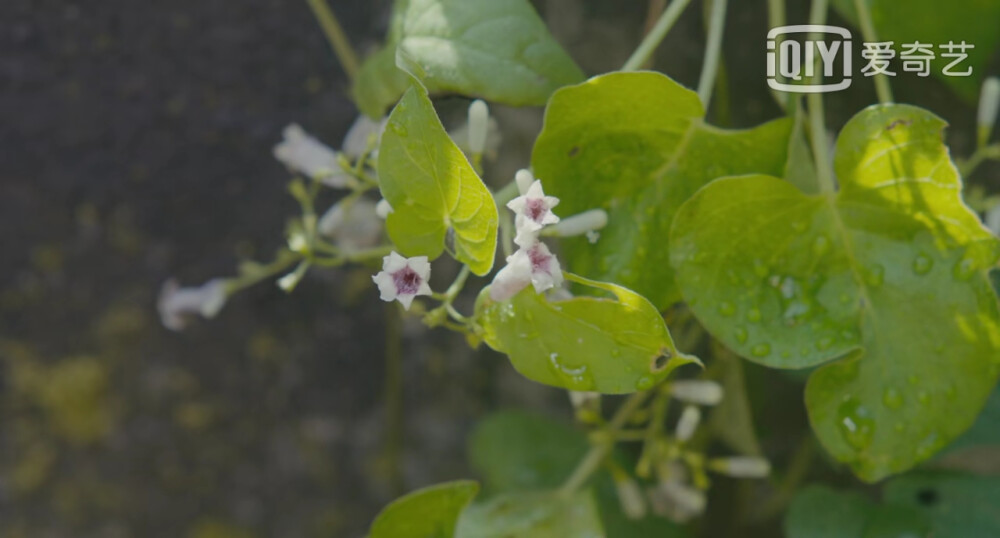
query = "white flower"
{"x": 175, "y": 302}
{"x": 402, "y": 279}
{"x": 354, "y": 228}
{"x": 741, "y": 466}
{"x": 989, "y": 105}
{"x": 305, "y": 154}
{"x": 382, "y": 209}
{"x": 534, "y": 265}
{"x": 688, "y": 423}
{"x": 684, "y": 501}
{"x": 701, "y": 392}
{"x": 364, "y": 133}
{"x": 630, "y": 497}
{"x": 533, "y": 209}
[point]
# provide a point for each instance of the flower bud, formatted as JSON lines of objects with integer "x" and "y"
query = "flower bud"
{"x": 989, "y": 106}
{"x": 629, "y": 496}
{"x": 741, "y": 466}
{"x": 175, "y": 302}
{"x": 479, "y": 118}
{"x": 688, "y": 423}
{"x": 701, "y": 392}
{"x": 382, "y": 209}
{"x": 687, "y": 502}
{"x": 524, "y": 179}
{"x": 579, "y": 224}
{"x": 355, "y": 226}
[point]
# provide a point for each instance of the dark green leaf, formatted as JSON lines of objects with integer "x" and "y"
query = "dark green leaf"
{"x": 957, "y": 505}
{"x": 821, "y": 512}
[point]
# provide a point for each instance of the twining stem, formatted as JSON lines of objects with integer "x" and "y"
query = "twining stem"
{"x": 593, "y": 459}
{"x": 335, "y": 35}
{"x": 868, "y": 31}
{"x": 776, "y": 18}
{"x": 817, "y": 127}
{"x": 649, "y": 43}
{"x": 713, "y": 51}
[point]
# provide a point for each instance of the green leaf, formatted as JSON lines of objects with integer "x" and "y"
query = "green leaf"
{"x": 495, "y": 49}
{"x": 889, "y": 273}
{"x": 584, "y": 343}
{"x": 516, "y": 451}
{"x": 432, "y": 188}
{"x": 956, "y": 504}
{"x": 636, "y": 144}
{"x": 379, "y": 82}
{"x": 930, "y": 21}
{"x": 431, "y": 512}
{"x": 893, "y": 521}
{"x": 820, "y": 512}
{"x": 533, "y": 515}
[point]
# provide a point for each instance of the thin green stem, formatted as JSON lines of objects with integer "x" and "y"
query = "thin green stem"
{"x": 393, "y": 398}
{"x": 335, "y": 35}
{"x": 817, "y": 126}
{"x": 713, "y": 51}
{"x": 592, "y": 460}
{"x": 776, "y": 18}
{"x": 652, "y": 40}
{"x": 981, "y": 154}
{"x": 868, "y": 31}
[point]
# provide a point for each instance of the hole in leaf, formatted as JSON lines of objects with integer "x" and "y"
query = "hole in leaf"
{"x": 927, "y": 497}
{"x": 574, "y": 151}
{"x": 660, "y": 361}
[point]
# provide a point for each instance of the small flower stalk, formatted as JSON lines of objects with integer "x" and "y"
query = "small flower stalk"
{"x": 402, "y": 279}
{"x": 177, "y": 303}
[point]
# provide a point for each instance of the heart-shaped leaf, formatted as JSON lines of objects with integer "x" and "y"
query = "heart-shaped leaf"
{"x": 889, "y": 273}
{"x": 432, "y": 188}
{"x": 636, "y": 144}
{"x": 495, "y": 49}
{"x": 431, "y": 512}
{"x": 614, "y": 346}
{"x": 533, "y": 515}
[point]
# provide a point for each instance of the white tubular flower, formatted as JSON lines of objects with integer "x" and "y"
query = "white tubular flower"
{"x": 535, "y": 265}
{"x": 533, "y": 209}
{"x": 355, "y": 228}
{"x": 688, "y": 423}
{"x": 176, "y": 303}
{"x": 989, "y": 106}
{"x": 479, "y": 120}
{"x": 579, "y": 224}
{"x": 582, "y": 398}
{"x": 305, "y": 154}
{"x": 741, "y": 466}
{"x": 700, "y": 392}
{"x": 360, "y": 136}
{"x": 523, "y": 179}
{"x": 688, "y": 502}
{"x": 382, "y": 209}
{"x": 402, "y": 279}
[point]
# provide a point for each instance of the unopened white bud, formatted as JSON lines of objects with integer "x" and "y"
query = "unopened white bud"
{"x": 580, "y": 399}
{"x": 176, "y": 302}
{"x": 579, "y": 224}
{"x": 382, "y": 209}
{"x": 701, "y": 392}
{"x": 989, "y": 106}
{"x": 741, "y": 466}
{"x": 688, "y": 500}
{"x": 688, "y": 423}
{"x": 630, "y": 496}
{"x": 993, "y": 219}
{"x": 479, "y": 119}
{"x": 524, "y": 179}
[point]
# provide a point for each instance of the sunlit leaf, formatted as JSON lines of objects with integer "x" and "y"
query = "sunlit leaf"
{"x": 432, "y": 188}
{"x": 431, "y": 512}
{"x": 533, "y": 515}
{"x": 495, "y": 49}
{"x": 636, "y": 144}
{"x": 889, "y": 273}
{"x": 597, "y": 344}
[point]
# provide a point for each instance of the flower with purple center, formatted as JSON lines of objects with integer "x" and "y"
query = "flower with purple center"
{"x": 402, "y": 279}
{"x": 533, "y": 209}
{"x": 534, "y": 265}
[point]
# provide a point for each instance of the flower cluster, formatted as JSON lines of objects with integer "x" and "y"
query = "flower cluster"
{"x": 533, "y": 263}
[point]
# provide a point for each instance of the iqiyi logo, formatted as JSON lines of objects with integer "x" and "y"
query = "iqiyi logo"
{"x": 793, "y": 60}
